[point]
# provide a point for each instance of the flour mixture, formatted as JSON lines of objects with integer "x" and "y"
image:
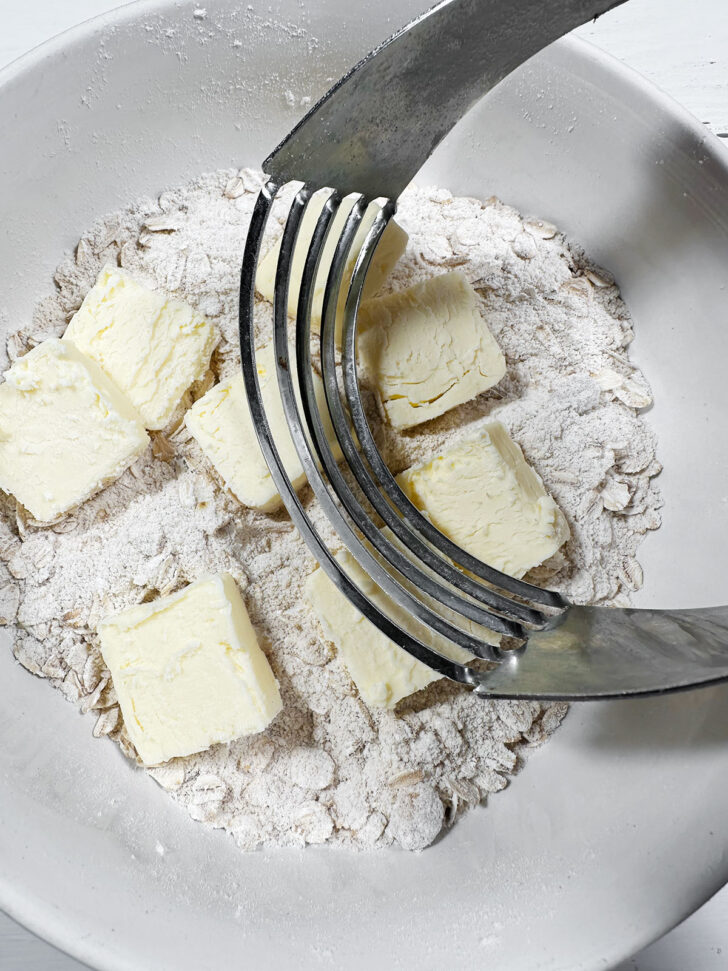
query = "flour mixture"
{"x": 329, "y": 768}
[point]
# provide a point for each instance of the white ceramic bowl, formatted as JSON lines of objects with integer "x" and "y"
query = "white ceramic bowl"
{"x": 616, "y": 830}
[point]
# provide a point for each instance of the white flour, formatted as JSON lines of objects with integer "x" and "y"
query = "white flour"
{"x": 329, "y": 768}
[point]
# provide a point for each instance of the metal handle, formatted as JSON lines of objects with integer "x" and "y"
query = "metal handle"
{"x": 393, "y": 109}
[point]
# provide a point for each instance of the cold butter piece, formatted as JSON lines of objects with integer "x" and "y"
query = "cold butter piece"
{"x": 151, "y": 346}
{"x": 485, "y": 497}
{"x": 65, "y": 430}
{"x": 391, "y": 246}
{"x": 188, "y": 671}
{"x": 383, "y": 672}
{"x": 221, "y": 423}
{"x": 427, "y": 349}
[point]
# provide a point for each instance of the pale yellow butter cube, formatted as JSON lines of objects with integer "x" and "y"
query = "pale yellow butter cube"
{"x": 391, "y": 246}
{"x": 151, "y": 346}
{"x": 383, "y": 672}
{"x": 427, "y": 349}
{"x": 188, "y": 671}
{"x": 65, "y": 430}
{"x": 223, "y": 428}
{"x": 483, "y": 495}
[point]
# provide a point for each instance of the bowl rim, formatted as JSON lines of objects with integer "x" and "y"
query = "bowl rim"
{"x": 26, "y": 909}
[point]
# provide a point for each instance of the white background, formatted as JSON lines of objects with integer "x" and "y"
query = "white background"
{"x": 680, "y": 45}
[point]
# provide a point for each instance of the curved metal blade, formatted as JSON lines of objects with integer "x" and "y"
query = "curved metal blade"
{"x": 375, "y": 128}
{"x": 264, "y": 203}
{"x": 389, "y": 584}
{"x": 413, "y": 523}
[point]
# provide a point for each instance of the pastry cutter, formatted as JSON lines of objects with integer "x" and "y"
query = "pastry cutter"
{"x": 369, "y": 136}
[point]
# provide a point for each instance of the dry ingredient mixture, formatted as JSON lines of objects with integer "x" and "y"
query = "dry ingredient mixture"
{"x": 329, "y": 767}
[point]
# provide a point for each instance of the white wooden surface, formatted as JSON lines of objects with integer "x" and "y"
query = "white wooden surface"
{"x": 680, "y": 45}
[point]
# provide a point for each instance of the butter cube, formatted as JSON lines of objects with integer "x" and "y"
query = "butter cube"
{"x": 383, "y": 672}
{"x": 485, "y": 497}
{"x": 188, "y": 671}
{"x": 221, "y": 423}
{"x": 65, "y": 430}
{"x": 427, "y": 349}
{"x": 151, "y": 346}
{"x": 391, "y": 246}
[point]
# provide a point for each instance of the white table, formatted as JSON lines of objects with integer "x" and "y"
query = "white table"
{"x": 681, "y": 45}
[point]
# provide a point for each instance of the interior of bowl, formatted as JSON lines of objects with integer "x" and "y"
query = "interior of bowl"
{"x": 153, "y": 96}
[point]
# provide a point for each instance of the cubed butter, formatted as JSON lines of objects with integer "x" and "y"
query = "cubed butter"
{"x": 383, "y": 672}
{"x": 188, "y": 671}
{"x": 483, "y": 496}
{"x": 391, "y": 246}
{"x": 221, "y": 423}
{"x": 427, "y": 349}
{"x": 151, "y": 346}
{"x": 65, "y": 430}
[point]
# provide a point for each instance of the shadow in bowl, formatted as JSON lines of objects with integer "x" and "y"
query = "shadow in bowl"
{"x": 690, "y": 721}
